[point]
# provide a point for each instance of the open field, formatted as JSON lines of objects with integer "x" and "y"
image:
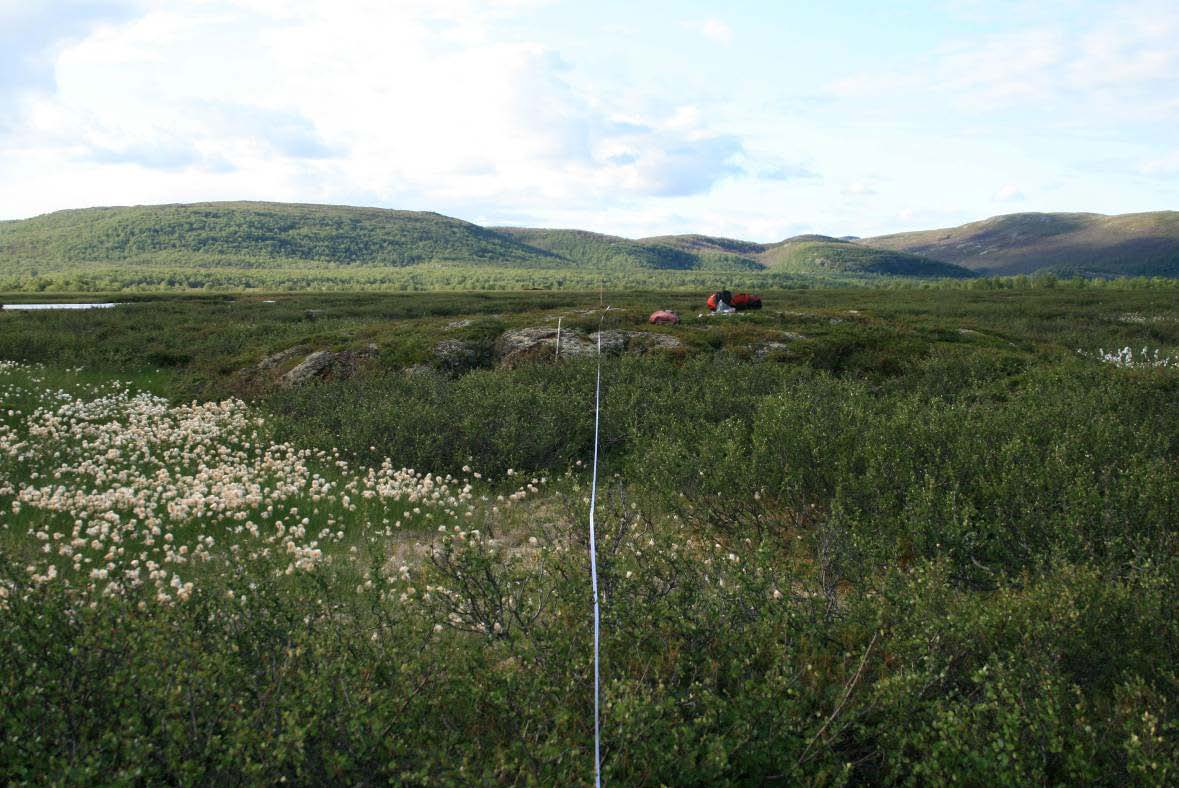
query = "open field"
{"x": 862, "y": 535}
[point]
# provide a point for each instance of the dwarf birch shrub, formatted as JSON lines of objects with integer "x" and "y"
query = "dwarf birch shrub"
{"x": 1056, "y": 468}
{"x": 527, "y": 419}
{"x": 910, "y": 559}
{"x": 686, "y": 701}
{"x": 1026, "y": 684}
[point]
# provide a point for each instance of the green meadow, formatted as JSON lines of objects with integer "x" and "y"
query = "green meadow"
{"x": 883, "y": 535}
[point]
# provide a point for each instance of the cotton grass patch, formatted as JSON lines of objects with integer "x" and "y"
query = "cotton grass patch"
{"x": 120, "y": 490}
{"x": 1127, "y": 359}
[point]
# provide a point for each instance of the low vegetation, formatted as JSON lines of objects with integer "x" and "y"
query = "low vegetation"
{"x": 860, "y": 536}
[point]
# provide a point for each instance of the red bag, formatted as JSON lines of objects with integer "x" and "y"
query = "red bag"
{"x": 739, "y": 301}
{"x": 745, "y": 301}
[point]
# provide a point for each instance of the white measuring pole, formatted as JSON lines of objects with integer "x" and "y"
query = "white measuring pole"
{"x": 594, "y": 572}
{"x": 558, "y": 354}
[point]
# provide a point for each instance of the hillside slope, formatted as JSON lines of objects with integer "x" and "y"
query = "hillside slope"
{"x": 1090, "y": 244}
{"x": 706, "y": 244}
{"x": 255, "y": 234}
{"x": 804, "y": 254}
{"x": 148, "y": 244}
{"x": 822, "y": 254}
{"x": 596, "y": 250}
{"x": 713, "y": 254}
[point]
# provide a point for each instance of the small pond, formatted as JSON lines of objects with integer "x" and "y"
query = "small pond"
{"x": 56, "y": 306}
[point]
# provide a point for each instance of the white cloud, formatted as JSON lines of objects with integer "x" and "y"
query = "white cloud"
{"x": 495, "y": 111}
{"x": 713, "y": 29}
{"x": 1167, "y": 164}
{"x": 915, "y": 218}
{"x": 858, "y": 189}
{"x": 409, "y": 102}
{"x": 1008, "y": 192}
{"x": 32, "y": 33}
{"x": 1121, "y": 61}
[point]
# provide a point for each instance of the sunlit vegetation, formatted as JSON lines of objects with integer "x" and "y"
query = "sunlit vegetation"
{"x": 843, "y": 257}
{"x": 1067, "y": 244}
{"x": 279, "y": 246}
{"x": 861, "y": 536}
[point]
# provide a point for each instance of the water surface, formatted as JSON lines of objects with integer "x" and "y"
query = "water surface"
{"x": 56, "y": 306}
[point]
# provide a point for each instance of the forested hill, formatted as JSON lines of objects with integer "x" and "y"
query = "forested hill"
{"x": 819, "y": 253}
{"x": 595, "y": 250}
{"x": 803, "y": 254}
{"x": 1087, "y": 244}
{"x": 244, "y": 236}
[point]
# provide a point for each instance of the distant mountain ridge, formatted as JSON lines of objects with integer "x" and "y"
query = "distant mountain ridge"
{"x": 243, "y": 236}
{"x": 803, "y": 254}
{"x": 1085, "y": 244}
{"x": 263, "y": 235}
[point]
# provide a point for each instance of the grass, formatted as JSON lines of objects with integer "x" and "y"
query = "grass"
{"x": 921, "y": 537}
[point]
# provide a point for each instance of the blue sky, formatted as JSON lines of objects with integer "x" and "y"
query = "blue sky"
{"x": 756, "y": 120}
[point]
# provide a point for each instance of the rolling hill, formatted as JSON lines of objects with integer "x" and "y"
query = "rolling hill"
{"x": 235, "y": 238}
{"x": 595, "y": 250}
{"x": 611, "y": 252}
{"x": 706, "y": 244}
{"x": 804, "y": 254}
{"x": 714, "y": 254}
{"x": 253, "y": 234}
{"x": 1087, "y": 244}
{"x": 819, "y": 253}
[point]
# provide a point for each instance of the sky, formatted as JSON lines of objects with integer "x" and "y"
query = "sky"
{"x": 753, "y": 120}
